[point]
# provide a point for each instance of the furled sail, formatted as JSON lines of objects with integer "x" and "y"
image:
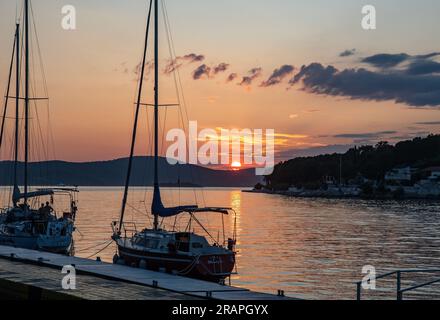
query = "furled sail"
{"x": 17, "y": 196}
{"x": 158, "y": 209}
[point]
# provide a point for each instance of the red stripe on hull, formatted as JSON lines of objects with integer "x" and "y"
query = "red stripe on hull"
{"x": 205, "y": 267}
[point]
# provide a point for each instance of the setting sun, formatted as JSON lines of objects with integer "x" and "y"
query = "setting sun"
{"x": 236, "y": 165}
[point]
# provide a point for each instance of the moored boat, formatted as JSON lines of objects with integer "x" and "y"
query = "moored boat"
{"x": 33, "y": 220}
{"x": 184, "y": 253}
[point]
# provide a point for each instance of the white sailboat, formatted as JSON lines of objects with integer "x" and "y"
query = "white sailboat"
{"x": 32, "y": 221}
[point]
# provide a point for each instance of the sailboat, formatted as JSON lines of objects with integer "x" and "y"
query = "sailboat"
{"x": 32, "y": 221}
{"x": 183, "y": 253}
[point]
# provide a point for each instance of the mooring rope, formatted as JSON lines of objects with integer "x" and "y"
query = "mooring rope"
{"x": 101, "y": 250}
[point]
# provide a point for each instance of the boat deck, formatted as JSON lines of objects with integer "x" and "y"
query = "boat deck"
{"x": 97, "y": 280}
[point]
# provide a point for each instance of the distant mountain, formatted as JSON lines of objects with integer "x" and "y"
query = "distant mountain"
{"x": 113, "y": 173}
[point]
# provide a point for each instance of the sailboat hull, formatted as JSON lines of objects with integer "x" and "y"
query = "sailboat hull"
{"x": 208, "y": 267}
{"x": 60, "y": 246}
{"x": 50, "y": 235}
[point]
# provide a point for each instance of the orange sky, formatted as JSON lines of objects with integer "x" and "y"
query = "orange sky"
{"x": 92, "y": 95}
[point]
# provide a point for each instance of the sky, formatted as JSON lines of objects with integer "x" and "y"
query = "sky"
{"x": 304, "y": 68}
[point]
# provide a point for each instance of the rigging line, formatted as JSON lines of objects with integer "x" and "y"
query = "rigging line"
{"x": 149, "y": 132}
{"x": 38, "y": 152}
{"x": 177, "y": 78}
{"x": 127, "y": 182}
{"x": 9, "y": 173}
{"x": 5, "y": 110}
{"x": 50, "y": 136}
{"x": 163, "y": 130}
{"x": 137, "y": 210}
{"x": 207, "y": 232}
{"x": 40, "y": 56}
{"x": 177, "y": 72}
{"x": 173, "y": 58}
{"x": 40, "y": 131}
{"x": 172, "y": 48}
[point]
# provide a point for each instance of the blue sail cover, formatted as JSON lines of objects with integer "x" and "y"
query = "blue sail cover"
{"x": 157, "y": 207}
{"x": 16, "y": 195}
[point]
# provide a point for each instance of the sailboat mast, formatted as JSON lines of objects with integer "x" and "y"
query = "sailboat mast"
{"x": 17, "y": 103}
{"x": 5, "y": 109}
{"x": 156, "y": 103}
{"x": 136, "y": 120}
{"x": 26, "y": 100}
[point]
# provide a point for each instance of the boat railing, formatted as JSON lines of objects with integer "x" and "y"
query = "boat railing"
{"x": 129, "y": 229}
{"x": 398, "y": 274}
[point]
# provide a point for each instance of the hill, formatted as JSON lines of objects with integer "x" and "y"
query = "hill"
{"x": 112, "y": 173}
{"x": 371, "y": 162}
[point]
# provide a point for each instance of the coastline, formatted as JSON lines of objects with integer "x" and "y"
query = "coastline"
{"x": 322, "y": 194}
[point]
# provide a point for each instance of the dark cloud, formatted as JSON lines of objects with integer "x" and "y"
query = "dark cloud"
{"x": 311, "y": 152}
{"x": 385, "y": 60}
{"x": 252, "y": 75}
{"x": 207, "y": 72}
{"x": 410, "y": 136}
{"x": 419, "y": 67}
{"x": 202, "y": 71}
{"x": 149, "y": 66}
{"x": 192, "y": 57}
{"x": 428, "y": 123}
{"x": 347, "y": 53}
{"x": 369, "y": 135}
{"x": 278, "y": 76}
{"x": 232, "y": 77}
{"x": 428, "y": 56}
{"x": 181, "y": 60}
{"x": 398, "y": 86}
{"x": 222, "y": 67}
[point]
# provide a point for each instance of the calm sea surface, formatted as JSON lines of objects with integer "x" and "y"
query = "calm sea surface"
{"x": 310, "y": 248}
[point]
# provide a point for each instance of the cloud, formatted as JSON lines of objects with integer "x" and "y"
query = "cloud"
{"x": 222, "y": 67}
{"x": 252, "y": 75}
{"x": 369, "y": 135}
{"x": 232, "y": 77}
{"x": 207, "y": 72}
{"x": 311, "y": 151}
{"x": 182, "y": 60}
{"x": 201, "y": 72}
{"x": 396, "y": 85}
{"x": 410, "y": 136}
{"x": 347, "y": 53}
{"x": 278, "y": 76}
{"x": 428, "y": 123}
{"x": 420, "y": 67}
{"x": 192, "y": 57}
{"x": 122, "y": 67}
{"x": 149, "y": 66}
{"x": 385, "y": 60}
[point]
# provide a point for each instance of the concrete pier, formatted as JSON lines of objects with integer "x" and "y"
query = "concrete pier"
{"x": 28, "y": 274}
